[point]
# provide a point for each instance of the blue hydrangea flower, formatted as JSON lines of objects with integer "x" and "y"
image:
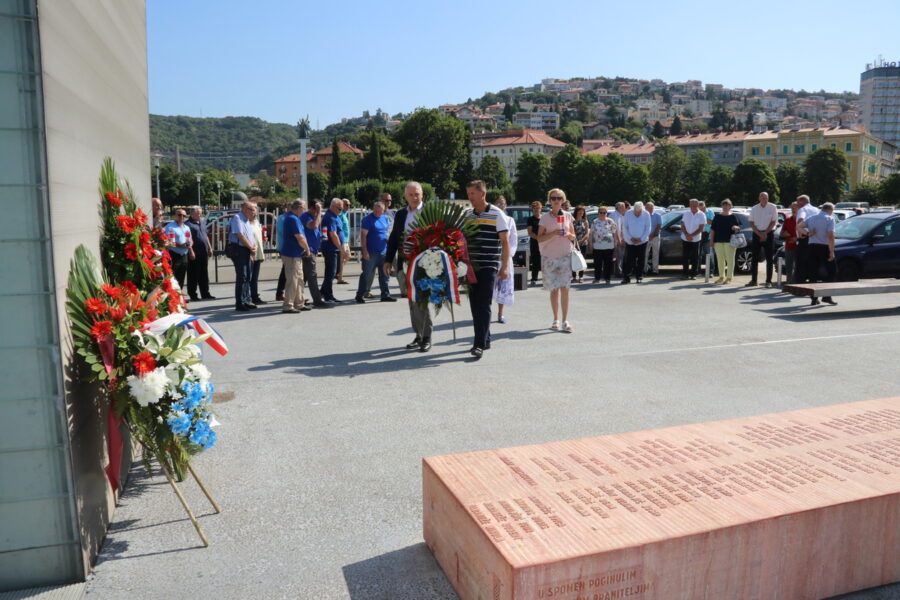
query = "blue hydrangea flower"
{"x": 179, "y": 423}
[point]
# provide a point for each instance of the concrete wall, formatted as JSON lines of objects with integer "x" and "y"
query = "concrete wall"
{"x": 94, "y": 65}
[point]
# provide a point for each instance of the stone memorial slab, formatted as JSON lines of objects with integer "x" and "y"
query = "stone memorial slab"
{"x": 795, "y": 505}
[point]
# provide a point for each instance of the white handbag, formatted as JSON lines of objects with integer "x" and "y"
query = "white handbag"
{"x": 578, "y": 262}
{"x": 738, "y": 240}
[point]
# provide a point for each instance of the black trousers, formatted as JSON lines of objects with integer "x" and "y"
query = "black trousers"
{"x": 279, "y": 288}
{"x": 179, "y": 267}
{"x": 198, "y": 275}
{"x": 535, "y": 250}
{"x": 311, "y": 277}
{"x": 768, "y": 247}
{"x": 818, "y": 259}
{"x": 481, "y": 296}
{"x": 635, "y": 255}
{"x": 801, "y": 261}
{"x": 603, "y": 264}
{"x": 690, "y": 258}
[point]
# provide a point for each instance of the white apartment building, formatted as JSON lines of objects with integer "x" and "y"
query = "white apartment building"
{"x": 509, "y": 146}
{"x": 543, "y": 121}
{"x": 879, "y": 91}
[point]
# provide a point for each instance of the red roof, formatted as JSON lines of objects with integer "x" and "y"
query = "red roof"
{"x": 509, "y": 138}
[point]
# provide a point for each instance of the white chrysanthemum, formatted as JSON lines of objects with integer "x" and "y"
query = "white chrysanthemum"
{"x": 462, "y": 269}
{"x": 201, "y": 373}
{"x": 150, "y": 388}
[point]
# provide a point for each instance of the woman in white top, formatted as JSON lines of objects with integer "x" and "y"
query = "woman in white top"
{"x": 504, "y": 289}
{"x": 556, "y": 235}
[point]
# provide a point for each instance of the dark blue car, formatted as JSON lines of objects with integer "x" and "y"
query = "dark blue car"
{"x": 867, "y": 246}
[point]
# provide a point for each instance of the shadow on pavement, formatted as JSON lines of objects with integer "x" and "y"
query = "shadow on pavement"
{"x": 823, "y": 312}
{"x": 407, "y": 574}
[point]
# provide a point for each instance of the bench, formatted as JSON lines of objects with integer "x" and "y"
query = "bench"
{"x": 843, "y": 288}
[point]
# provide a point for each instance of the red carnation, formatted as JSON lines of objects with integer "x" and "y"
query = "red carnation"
{"x": 117, "y": 313}
{"x": 129, "y": 287}
{"x": 167, "y": 286}
{"x": 113, "y": 199}
{"x": 126, "y": 223}
{"x": 95, "y": 306}
{"x": 140, "y": 217}
{"x": 143, "y": 363}
{"x": 111, "y": 290}
{"x": 131, "y": 251}
{"x": 147, "y": 251}
{"x": 173, "y": 303}
{"x": 101, "y": 328}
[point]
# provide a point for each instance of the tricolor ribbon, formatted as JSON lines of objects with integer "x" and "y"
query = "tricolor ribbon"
{"x": 448, "y": 276}
{"x": 198, "y": 325}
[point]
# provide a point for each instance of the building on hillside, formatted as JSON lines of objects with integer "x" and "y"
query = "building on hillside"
{"x": 879, "y": 91}
{"x": 868, "y": 157}
{"x": 725, "y": 148}
{"x": 572, "y": 95}
{"x": 287, "y": 168}
{"x": 640, "y": 153}
{"x": 545, "y": 121}
{"x": 509, "y": 146}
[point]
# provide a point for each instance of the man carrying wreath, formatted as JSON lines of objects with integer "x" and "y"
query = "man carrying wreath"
{"x": 490, "y": 258}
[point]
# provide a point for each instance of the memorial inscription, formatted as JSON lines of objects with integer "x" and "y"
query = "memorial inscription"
{"x": 808, "y": 500}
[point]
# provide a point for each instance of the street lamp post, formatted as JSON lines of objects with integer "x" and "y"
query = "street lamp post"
{"x": 199, "y": 177}
{"x": 303, "y": 186}
{"x": 156, "y": 158}
{"x": 219, "y": 192}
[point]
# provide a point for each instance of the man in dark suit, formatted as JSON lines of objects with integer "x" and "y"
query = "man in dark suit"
{"x": 403, "y": 220}
{"x": 198, "y": 256}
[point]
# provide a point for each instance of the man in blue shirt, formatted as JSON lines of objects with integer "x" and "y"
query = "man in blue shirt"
{"x": 373, "y": 241}
{"x": 179, "y": 244}
{"x": 198, "y": 256}
{"x": 312, "y": 221}
{"x": 820, "y": 229}
{"x": 333, "y": 241}
{"x": 653, "y": 243}
{"x": 293, "y": 248}
{"x": 240, "y": 236}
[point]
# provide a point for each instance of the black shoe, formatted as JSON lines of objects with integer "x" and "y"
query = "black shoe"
{"x": 250, "y": 305}
{"x": 320, "y": 305}
{"x": 279, "y": 297}
{"x": 750, "y": 284}
{"x": 359, "y": 300}
{"x": 368, "y": 295}
{"x": 241, "y": 307}
{"x": 815, "y": 302}
{"x": 194, "y": 298}
{"x": 626, "y": 281}
{"x": 333, "y": 300}
{"x": 828, "y": 300}
{"x": 477, "y": 353}
{"x": 208, "y": 297}
{"x": 304, "y": 308}
{"x": 343, "y": 282}
{"x": 259, "y": 301}
{"x": 414, "y": 344}
{"x": 638, "y": 280}
{"x": 608, "y": 282}
{"x": 388, "y": 299}
{"x": 425, "y": 346}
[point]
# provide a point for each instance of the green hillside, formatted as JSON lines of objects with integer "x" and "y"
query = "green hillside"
{"x": 236, "y": 144}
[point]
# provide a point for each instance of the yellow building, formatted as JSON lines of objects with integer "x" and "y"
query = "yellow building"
{"x": 868, "y": 158}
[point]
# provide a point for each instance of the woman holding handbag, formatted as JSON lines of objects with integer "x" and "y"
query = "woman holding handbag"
{"x": 556, "y": 236}
{"x": 724, "y": 226}
{"x": 582, "y": 231}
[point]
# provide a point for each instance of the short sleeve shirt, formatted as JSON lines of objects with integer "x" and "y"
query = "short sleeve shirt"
{"x": 332, "y": 223}
{"x": 603, "y": 233}
{"x": 487, "y": 250}
{"x": 376, "y": 229}
{"x": 821, "y": 224}
{"x": 692, "y": 221}
{"x": 762, "y": 216}
{"x": 559, "y": 245}
{"x": 313, "y": 234}
{"x": 239, "y": 224}
{"x": 179, "y": 234}
{"x": 710, "y": 215}
{"x": 289, "y": 244}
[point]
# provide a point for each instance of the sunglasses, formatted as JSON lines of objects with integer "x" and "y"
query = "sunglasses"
{"x": 556, "y": 198}
{"x": 602, "y": 212}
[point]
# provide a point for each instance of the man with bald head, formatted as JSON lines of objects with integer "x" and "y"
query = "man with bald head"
{"x": 333, "y": 239}
{"x": 763, "y": 218}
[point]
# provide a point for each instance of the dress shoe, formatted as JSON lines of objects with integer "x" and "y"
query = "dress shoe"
{"x": 241, "y": 307}
{"x": 368, "y": 295}
{"x": 279, "y": 297}
{"x": 425, "y": 346}
{"x": 750, "y": 284}
{"x": 828, "y": 300}
{"x": 208, "y": 297}
{"x": 626, "y": 281}
{"x": 477, "y": 353}
{"x": 343, "y": 282}
{"x": 304, "y": 308}
{"x": 815, "y": 302}
{"x": 290, "y": 310}
{"x": 321, "y": 305}
{"x": 259, "y": 301}
{"x": 194, "y": 298}
{"x": 388, "y": 299}
{"x": 414, "y": 344}
{"x": 359, "y": 300}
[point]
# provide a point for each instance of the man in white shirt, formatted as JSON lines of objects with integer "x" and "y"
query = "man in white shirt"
{"x": 763, "y": 218}
{"x": 692, "y": 223}
{"x": 805, "y": 210}
{"x": 635, "y": 232}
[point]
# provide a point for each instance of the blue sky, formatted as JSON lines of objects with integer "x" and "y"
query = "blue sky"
{"x": 279, "y": 60}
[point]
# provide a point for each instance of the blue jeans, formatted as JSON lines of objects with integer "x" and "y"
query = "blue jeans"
{"x": 243, "y": 271}
{"x": 481, "y": 296}
{"x": 370, "y": 267}
{"x": 332, "y": 263}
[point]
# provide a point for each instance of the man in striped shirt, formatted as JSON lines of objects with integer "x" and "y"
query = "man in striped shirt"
{"x": 489, "y": 256}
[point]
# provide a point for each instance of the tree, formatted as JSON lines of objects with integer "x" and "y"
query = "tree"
{"x": 492, "y": 172}
{"x": 437, "y": 145}
{"x": 826, "y": 175}
{"x": 337, "y": 169}
{"x": 587, "y": 174}
{"x": 611, "y": 184}
{"x": 695, "y": 179}
{"x": 375, "y": 151}
{"x": 675, "y": 129}
{"x": 639, "y": 186}
{"x": 720, "y": 183}
{"x": 790, "y": 179}
{"x": 317, "y": 185}
{"x": 665, "y": 170}
{"x": 867, "y": 191}
{"x": 751, "y": 177}
{"x": 571, "y": 133}
{"x": 532, "y": 176}
{"x": 508, "y": 112}
{"x": 562, "y": 168}
{"x": 659, "y": 131}
{"x": 889, "y": 190}
{"x": 749, "y": 125}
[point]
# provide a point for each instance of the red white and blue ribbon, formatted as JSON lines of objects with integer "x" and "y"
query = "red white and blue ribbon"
{"x": 198, "y": 325}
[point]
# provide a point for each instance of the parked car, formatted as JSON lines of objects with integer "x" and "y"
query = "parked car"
{"x": 670, "y": 242}
{"x": 852, "y": 205}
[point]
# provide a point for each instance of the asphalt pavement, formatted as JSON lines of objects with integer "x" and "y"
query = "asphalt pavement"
{"x": 325, "y": 418}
